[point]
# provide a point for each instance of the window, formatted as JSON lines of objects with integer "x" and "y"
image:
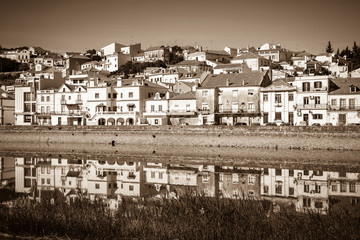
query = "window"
{"x": 352, "y": 187}
{"x": 353, "y": 88}
{"x": 306, "y": 100}
{"x": 27, "y": 118}
{"x": 160, "y": 175}
{"x": 205, "y": 178}
{"x": 333, "y": 102}
{"x": 277, "y": 115}
{"x": 317, "y": 84}
{"x": 204, "y": 106}
{"x": 96, "y": 95}
{"x": 109, "y": 95}
{"x": 291, "y": 191}
{"x": 131, "y": 188}
{"x": 251, "y": 107}
{"x": 318, "y": 204}
{"x": 152, "y": 108}
{"x": 42, "y": 99}
{"x": 306, "y": 86}
{"x": 48, "y": 109}
{"x": 278, "y": 188}
{"x": 291, "y": 97}
{"x": 306, "y": 187}
{"x": 291, "y": 172}
{"x": 277, "y": 98}
{"x": 351, "y": 103}
{"x": 306, "y": 202}
{"x": 317, "y": 116}
{"x": 188, "y": 176}
{"x": 97, "y": 186}
{"x": 250, "y": 92}
{"x": 306, "y": 172}
{"x": 265, "y": 97}
{"x": 266, "y": 171}
{"x": 152, "y": 174}
{"x": 131, "y": 94}
{"x": 204, "y": 93}
{"x": 334, "y": 188}
{"x": 160, "y": 108}
{"x": 317, "y": 100}
{"x": 43, "y": 181}
{"x": 48, "y": 170}
{"x": 251, "y": 179}
{"x": 317, "y": 188}
{"x": 266, "y": 188}
{"x": 235, "y": 178}
{"x": 278, "y": 171}
{"x": 156, "y": 121}
{"x": 114, "y": 95}
{"x": 48, "y": 181}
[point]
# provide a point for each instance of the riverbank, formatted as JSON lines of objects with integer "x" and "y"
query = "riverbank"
{"x": 304, "y": 138}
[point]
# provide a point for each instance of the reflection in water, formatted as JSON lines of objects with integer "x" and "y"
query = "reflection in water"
{"x": 58, "y": 179}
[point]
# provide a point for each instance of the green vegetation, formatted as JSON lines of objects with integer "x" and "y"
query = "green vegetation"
{"x": 133, "y": 68}
{"x": 8, "y": 65}
{"x": 186, "y": 218}
{"x": 8, "y": 79}
{"x": 352, "y": 56}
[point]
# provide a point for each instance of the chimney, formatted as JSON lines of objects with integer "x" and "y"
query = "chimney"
{"x": 167, "y": 95}
{"x": 227, "y": 82}
{"x": 243, "y": 82}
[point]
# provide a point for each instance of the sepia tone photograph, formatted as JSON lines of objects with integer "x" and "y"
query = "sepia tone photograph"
{"x": 179, "y": 119}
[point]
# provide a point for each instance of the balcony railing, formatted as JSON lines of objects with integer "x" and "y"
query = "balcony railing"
{"x": 311, "y": 106}
{"x": 69, "y": 113}
{"x": 344, "y": 108}
{"x": 313, "y": 89}
{"x": 236, "y": 111}
{"x": 71, "y": 102}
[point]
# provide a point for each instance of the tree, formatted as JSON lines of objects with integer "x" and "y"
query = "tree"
{"x": 329, "y": 48}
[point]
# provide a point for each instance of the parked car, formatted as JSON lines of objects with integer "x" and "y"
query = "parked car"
{"x": 240, "y": 124}
{"x": 316, "y": 124}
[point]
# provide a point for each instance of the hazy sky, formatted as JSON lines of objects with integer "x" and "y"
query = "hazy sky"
{"x": 78, "y": 25}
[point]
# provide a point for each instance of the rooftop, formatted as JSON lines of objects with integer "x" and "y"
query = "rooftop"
{"x": 344, "y": 85}
{"x": 253, "y": 78}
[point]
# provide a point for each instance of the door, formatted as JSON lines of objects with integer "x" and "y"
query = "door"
{"x": 306, "y": 118}
{"x": 291, "y": 118}
{"x": 266, "y": 118}
{"x": 204, "y": 120}
{"x": 342, "y": 119}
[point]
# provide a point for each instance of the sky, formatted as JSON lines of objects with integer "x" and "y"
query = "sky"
{"x": 80, "y": 25}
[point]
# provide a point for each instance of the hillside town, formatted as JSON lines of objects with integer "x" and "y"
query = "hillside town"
{"x": 171, "y": 85}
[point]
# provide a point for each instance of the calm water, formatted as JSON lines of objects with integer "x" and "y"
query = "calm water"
{"x": 315, "y": 180}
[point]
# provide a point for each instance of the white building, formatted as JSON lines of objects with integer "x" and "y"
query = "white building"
{"x": 311, "y": 100}
{"x": 254, "y": 61}
{"x": 277, "y": 103}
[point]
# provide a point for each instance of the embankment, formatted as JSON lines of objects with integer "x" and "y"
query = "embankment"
{"x": 286, "y": 137}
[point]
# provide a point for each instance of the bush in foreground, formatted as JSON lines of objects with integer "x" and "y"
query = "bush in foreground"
{"x": 185, "y": 218}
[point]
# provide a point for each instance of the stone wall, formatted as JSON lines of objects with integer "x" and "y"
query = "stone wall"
{"x": 257, "y": 137}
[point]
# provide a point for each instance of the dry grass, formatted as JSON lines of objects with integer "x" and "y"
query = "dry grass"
{"x": 186, "y": 218}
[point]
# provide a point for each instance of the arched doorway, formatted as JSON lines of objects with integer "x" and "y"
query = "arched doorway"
{"x": 111, "y": 121}
{"x": 101, "y": 121}
{"x": 120, "y": 121}
{"x": 130, "y": 121}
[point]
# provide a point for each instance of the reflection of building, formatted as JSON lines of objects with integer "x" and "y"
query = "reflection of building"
{"x": 238, "y": 182}
{"x": 57, "y": 179}
{"x": 7, "y": 171}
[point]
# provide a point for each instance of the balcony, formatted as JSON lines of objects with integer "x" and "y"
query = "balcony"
{"x": 204, "y": 111}
{"x": 69, "y": 113}
{"x": 344, "y": 108}
{"x": 312, "y": 106}
{"x": 245, "y": 112}
{"x": 71, "y": 102}
{"x": 182, "y": 112}
{"x": 313, "y": 89}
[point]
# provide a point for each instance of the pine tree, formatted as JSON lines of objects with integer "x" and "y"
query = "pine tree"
{"x": 329, "y": 48}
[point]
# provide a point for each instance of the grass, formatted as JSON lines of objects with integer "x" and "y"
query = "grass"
{"x": 186, "y": 218}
